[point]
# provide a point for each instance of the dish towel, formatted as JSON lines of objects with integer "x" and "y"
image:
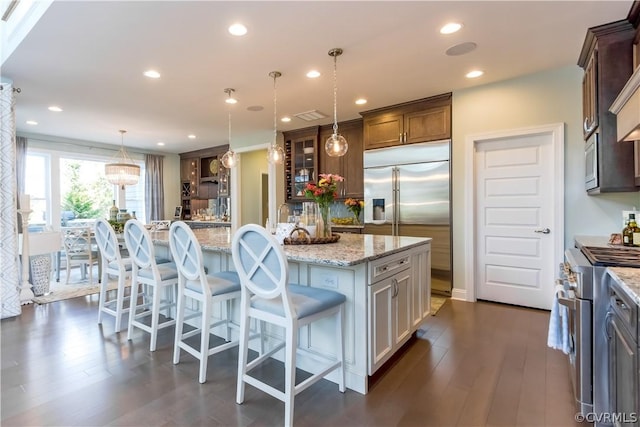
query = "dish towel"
{"x": 558, "y": 337}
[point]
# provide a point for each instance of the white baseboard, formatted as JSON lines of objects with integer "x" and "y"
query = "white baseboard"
{"x": 459, "y": 294}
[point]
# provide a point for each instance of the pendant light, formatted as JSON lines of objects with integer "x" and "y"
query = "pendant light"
{"x": 124, "y": 171}
{"x": 229, "y": 159}
{"x": 336, "y": 145}
{"x": 275, "y": 153}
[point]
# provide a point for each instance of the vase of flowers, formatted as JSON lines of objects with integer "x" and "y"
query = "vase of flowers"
{"x": 355, "y": 207}
{"x": 324, "y": 193}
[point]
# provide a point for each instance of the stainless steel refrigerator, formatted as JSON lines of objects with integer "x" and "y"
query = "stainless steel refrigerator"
{"x": 407, "y": 193}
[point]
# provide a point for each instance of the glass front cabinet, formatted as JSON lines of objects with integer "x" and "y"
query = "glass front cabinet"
{"x": 301, "y": 161}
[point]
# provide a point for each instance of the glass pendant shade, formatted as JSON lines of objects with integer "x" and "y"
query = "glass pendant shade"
{"x": 123, "y": 171}
{"x": 229, "y": 159}
{"x": 275, "y": 153}
{"x": 336, "y": 145}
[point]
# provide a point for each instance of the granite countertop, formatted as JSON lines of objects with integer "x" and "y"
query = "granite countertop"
{"x": 594, "y": 241}
{"x": 204, "y": 221}
{"x": 347, "y": 226}
{"x": 629, "y": 278}
{"x": 351, "y": 249}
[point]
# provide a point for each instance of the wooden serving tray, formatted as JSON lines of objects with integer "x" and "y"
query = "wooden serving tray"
{"x": 305, "y": 239}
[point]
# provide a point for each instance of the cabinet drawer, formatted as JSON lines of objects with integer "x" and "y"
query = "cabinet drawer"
{"x": 388, "y": 266}
{"x": 624, "y": 308}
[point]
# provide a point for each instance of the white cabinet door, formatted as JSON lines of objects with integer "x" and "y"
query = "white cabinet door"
{"x": 381, "y": 336}
{"x": 402, "y": 297}
{"x": 390, "y": 316}
{"x": 421, "y": 288}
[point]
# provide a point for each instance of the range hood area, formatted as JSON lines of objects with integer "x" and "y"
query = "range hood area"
{"x": 627, "y": 109}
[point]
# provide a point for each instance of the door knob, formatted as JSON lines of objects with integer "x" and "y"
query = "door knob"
{"x": 542, "y": 230}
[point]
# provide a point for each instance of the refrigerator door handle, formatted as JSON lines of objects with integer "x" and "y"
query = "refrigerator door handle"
{"x": 396, "y": 200}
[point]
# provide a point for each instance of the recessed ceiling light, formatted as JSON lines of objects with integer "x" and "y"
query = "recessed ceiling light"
{"x": 55, "y": 108}
{"x": 285, "y": 119}
{"x": 161, "y": 144}
{"x": 152, "y": 74}
{"x": 361, "y": 101}
{"x": 237, "y": 30}
{"x": 192, "y": 136}
{"x": 31, "y": 122}
{"x": 473, "y": 74}
{"x": 313, "y": 74}
{"x": 450, "y": 28}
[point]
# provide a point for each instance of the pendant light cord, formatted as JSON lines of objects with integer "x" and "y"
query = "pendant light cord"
{"x": 335, "y": 94}
{"x": 275, "y": 106}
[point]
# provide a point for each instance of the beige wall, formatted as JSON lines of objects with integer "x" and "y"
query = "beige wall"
{"x": 539, "y": 99}
{"x": 171, "y": 173}
{"x": 253, "y": 165}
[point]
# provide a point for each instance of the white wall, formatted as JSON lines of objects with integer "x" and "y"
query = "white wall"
{"x": 543, "y": 98}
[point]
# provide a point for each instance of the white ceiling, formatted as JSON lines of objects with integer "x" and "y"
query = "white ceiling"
{"x": 88, "y": 58}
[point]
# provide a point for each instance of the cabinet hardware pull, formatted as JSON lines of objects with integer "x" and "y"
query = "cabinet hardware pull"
{"x": 586, "y": 128}
{"x": 608, "y": 320}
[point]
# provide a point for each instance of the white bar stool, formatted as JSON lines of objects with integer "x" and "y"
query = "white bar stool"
{"x": 112, "y": 264}
{"x": 267, "y": 297}
{"x": 155, "y": 278}
{"x": 222, "y": 287}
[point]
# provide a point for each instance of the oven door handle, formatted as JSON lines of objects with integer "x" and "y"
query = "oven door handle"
{"x": 567, "y": 302}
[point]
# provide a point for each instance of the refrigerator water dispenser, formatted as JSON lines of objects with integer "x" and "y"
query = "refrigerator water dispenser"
{"x": 378, "y": 210}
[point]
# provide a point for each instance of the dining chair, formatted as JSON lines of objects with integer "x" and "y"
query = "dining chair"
{"x": 222, "y": 287}
{"x": 160, "y": 224}
{"x": 268, "y": 297}
{"x": 113, "y": 263}
{"x": 79, "y": 251}
{"x": 155, "y": 278}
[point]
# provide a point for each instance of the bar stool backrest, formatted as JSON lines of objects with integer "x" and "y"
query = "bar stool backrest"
{"x": 107, "y": 241}
{"x": 139, "y": 243}
{"x": 187, "y": 253}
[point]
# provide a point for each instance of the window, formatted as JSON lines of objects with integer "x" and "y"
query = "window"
{"x": 65, "y": 186}
{"x": 38, "y": 186}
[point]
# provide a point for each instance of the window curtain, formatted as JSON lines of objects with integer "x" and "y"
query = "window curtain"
{"x": 21, "y": 165}
{"x": 9, "y": 272}
{"x": 153, "y": 187}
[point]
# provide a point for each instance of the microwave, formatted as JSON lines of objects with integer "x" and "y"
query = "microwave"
{"x": 591, "y": 162}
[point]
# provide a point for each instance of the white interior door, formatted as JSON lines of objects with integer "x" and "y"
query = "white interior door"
{"x": 516, "y": 219}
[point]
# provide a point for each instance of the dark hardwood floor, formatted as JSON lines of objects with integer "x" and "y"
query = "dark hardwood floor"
{"x": 474, "y": 364}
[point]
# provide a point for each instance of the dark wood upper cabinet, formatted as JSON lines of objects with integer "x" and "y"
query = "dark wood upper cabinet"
{"x": 607, "y": 58}
{"x": 199, "y": 175}
{"x": 423, "y": 120}
{"x": 350, "y": 165}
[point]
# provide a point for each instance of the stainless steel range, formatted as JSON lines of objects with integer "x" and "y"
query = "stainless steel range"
{"x": 588, "y": 302}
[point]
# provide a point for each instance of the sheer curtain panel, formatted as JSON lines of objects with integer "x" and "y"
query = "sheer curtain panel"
{"x": 154, "y": 188}
{"x": 9, "y": 271}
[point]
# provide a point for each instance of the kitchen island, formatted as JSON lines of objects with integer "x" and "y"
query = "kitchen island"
{"x": 386, "y": 280}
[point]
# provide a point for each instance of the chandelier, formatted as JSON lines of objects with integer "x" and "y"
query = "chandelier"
{"x": 336, "y": 145}
{"x": 275, "y": 153}
{"x": 229, "y": 159}
{"x": 124, "y": 172}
